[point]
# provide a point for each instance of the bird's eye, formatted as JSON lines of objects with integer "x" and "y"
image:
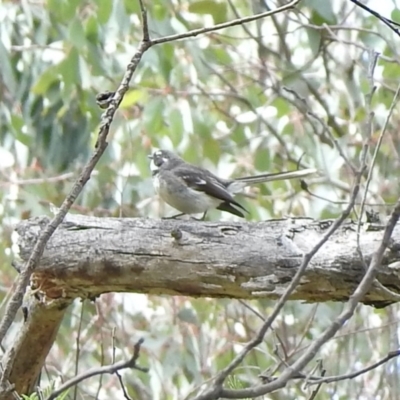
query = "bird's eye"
{"x": 158, "y": 160}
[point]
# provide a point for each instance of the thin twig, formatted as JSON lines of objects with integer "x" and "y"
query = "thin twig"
{"x": 252, "y": 309}
{"x": 106, "y": 369}
{"x": 37, "y": 181}
{"x": 317, "y": 380}
{"x": 121, "y": 382}
{"x": 352, "y": 375}
{"x": 316, "y": 390}
{"x": 100, "y": 385}
{"x": 388, "y": 22}
{"x": 238, "y": 21}
{"x": 78, "y": 347}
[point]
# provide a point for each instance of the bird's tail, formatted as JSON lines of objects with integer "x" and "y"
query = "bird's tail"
{"x": 278, "y": 176}
{"x": 240, "y": 183}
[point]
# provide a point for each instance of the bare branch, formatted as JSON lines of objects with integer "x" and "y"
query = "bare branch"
{"x": 78, "y": 346}
{"x": 352, "y": 375}
{"x": 255, "y": 253}
{"x": 106, "y": 369}
{"x": 315, "y": 392}
{"x": 37, "y": 181}
{"x": 388, "y": 22}
{"x": 317, "y": 380}
{"x": 145, "y": 26}
{"x": 238, "y": 21}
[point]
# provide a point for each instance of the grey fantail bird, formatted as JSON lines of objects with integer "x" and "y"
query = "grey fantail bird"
{"x": 194, "y": 190}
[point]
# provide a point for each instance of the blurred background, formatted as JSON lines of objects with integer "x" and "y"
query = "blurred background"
{"x": 286, "y": 91}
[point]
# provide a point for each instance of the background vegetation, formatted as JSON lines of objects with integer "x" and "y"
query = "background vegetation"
{"x": 265, "y": 96}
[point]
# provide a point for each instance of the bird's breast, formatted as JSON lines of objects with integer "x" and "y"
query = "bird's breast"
{"x": 177, "y": 194}
{"x": 156, "y": 183}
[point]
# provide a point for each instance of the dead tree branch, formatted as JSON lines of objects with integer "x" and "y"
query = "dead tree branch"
{"x": 88, "y": 256}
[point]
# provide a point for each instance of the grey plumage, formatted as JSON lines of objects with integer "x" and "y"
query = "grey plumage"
{"x": 193, "y": 190}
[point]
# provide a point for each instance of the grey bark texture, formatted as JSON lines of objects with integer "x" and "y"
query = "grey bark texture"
{"x": 88, "y": 256}
{"x": 27, "y": 354}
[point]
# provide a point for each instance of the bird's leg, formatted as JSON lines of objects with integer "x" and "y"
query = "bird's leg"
{"x": 199, "y": 219}
{"x": 174, "y": 216}
{"x": 180, "y": 215}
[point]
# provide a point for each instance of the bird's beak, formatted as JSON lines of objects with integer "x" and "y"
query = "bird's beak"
{"x": 150, "y": 156}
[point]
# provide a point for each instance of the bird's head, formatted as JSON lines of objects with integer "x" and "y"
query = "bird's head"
{"x": 163, "y": 158}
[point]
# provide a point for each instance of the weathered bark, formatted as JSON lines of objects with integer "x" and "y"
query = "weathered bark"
{"x": 88, "y": 256}
{"x": 33, "y": 342}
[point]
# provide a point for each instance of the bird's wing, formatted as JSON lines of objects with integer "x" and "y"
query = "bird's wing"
{"x": 204, "y": 181}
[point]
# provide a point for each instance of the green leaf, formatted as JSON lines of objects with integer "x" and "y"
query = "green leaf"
{"x": 92, "y": 29}
{"x": 395, "y": 16}
{"x": 63, "y": 10}
{"x": 76, "y": 34}
{"x": 391, "y": 71}
{"x": 238, "y": 135}
{"x": 45, "y": 80}
{"x": 131, "y": 7}
{"x": 153, "y": 118}
{"x": 7, "y": 73}
{"x": 95, "y": 58}
{"x": 383, "y": 96}
{"x": 282, "y": 107}
{"x": 17, "y": 124}
{"x": 216, "y": 9}
{"x": 176, "y": 126}
{"x": 262, "y": 160}
{"x": 167, "y": 60}
{"x": 69, "y": 69}
{"x": 314, "y": 39}
{"x": 219, "y": 55}
{"x": 133, "y": 97}
{"x": 104, "y": 10}
{"x": 211, "y": 149}
{"x": 323, "y": 11}
{"x": 159, "y": 12}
